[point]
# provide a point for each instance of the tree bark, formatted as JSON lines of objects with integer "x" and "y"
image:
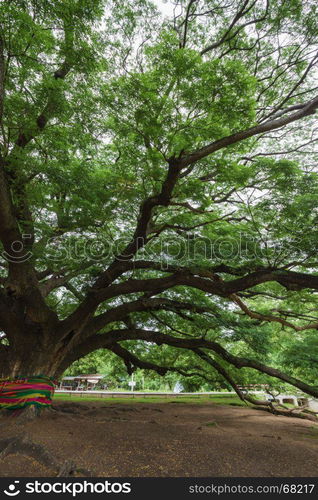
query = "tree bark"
{"x": 27, "y": 365}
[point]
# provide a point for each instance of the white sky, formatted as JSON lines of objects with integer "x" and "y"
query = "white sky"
{"x": 165, "y": 6}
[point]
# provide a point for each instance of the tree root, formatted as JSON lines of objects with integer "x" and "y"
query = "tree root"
{"x": 29, "y": 413}
{"x": 22, "y": 445}
{"x": 71, "y": 407}
{"x": 280, "y": 409}
{"x": 292, "y": 412}
{"x": 26, "y": 414}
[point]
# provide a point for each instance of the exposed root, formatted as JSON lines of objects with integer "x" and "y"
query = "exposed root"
{"x": 290, "y": 412}
{"x": 22, "y": 445}
{"x": 280, "y": 409}
{"x": 26, "y": 414}
{"x": 29, "y": 413}
{"x": 71, "y": 407}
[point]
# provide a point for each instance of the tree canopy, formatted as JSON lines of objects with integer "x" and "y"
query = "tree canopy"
{"x": 158, "y": 187}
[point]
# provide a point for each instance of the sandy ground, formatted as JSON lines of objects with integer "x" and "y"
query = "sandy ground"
{"x": 168, "y": 439}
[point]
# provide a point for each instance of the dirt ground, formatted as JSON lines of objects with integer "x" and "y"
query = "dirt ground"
{"x": 167, "y": 439}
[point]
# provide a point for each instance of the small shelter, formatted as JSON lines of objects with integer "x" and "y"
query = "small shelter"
{"x": 81, "y": 382}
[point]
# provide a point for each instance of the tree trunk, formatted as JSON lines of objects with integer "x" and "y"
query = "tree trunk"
{"x": 28, "y": 361}
{"x": 28, "y": 369}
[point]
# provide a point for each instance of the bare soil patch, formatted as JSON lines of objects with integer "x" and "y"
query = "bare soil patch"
{"x": 166, "y": 439}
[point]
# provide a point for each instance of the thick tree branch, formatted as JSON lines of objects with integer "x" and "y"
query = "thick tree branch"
{"x": 186, "y": 22}
{"x": 114, "y": 336}
{"x": 211, "y": 284}
{"x": 48, "y": 111}
{"x": 120, "y": 312}
{"x": 21, "y": 281}
{"x": 308, "y": 108}
{"x": 139, "y": 239}
{"x": 272, "y": 319}
{"x": 228, "y": 35}
{"x": 2, "y": 79}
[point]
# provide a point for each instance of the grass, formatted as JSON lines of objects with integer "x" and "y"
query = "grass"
{"x": 220, "y": 400}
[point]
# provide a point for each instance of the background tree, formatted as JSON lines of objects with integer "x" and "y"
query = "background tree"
{"x": 158, "y": 185}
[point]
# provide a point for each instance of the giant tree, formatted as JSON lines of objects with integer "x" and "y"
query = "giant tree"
{"x": 158, "y": 183}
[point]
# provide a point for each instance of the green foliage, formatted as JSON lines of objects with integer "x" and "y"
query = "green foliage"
{"x": 181, "y": 101}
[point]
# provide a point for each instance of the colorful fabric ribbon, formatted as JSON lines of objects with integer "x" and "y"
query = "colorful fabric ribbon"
{"x": 20, "y": 392}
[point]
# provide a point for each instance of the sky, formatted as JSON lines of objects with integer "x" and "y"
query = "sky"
{"x": 165, "y": 7}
